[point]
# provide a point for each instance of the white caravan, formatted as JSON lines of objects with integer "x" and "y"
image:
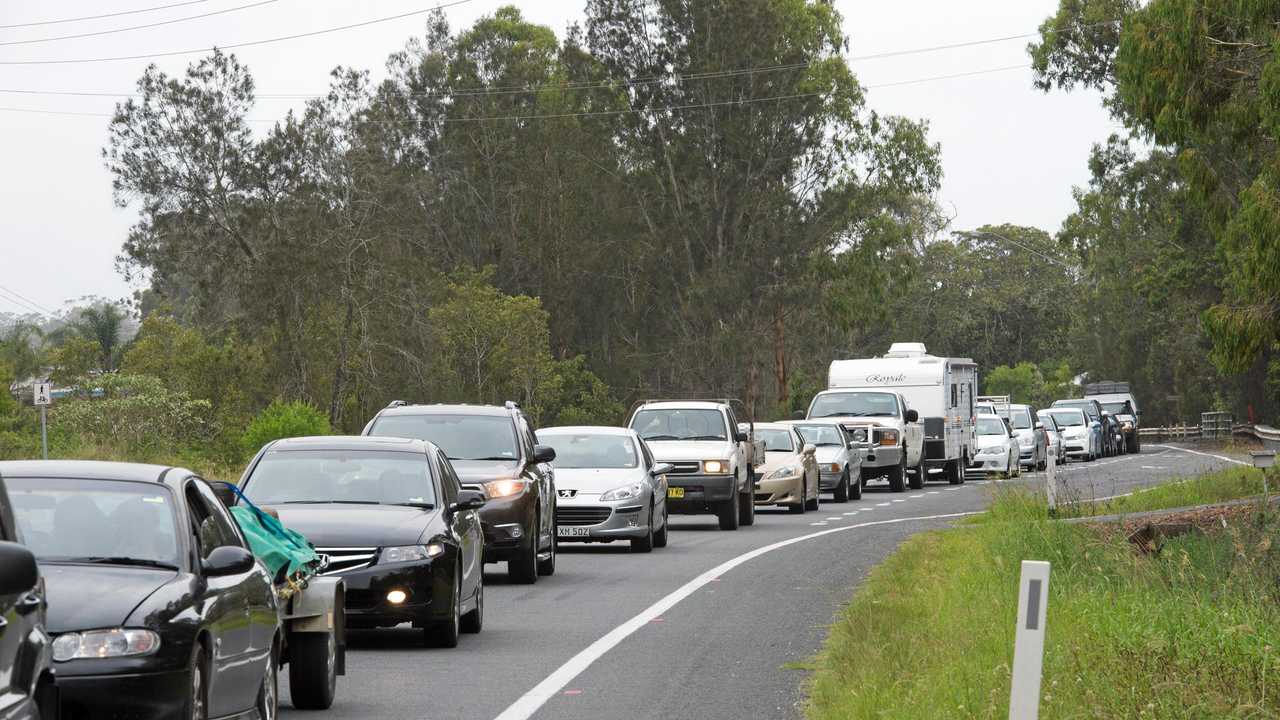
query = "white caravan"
{"x": 941, "y": 390}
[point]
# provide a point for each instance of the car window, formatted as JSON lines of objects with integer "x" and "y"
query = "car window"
{"x": 821, "y": 435}
{"x": 991, "y": 425}
{"x": 1019, "y": 418}
{"x": 460, "y": 436}
{"x": 776, "y": 440}
{"x": 648, "y": 456}
{"x": 592, "y": 450}
{"x": 355, "y": 477}
{"x": 212, "y": 527}
{"x": 680, "y": 424}
{"x": 450, "y": 486}
{"x": 1067, "y": 418}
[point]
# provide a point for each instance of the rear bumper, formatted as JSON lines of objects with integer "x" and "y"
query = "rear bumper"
{"x": 702, "y": 493}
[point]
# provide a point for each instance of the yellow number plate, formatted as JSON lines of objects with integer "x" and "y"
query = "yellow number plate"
{"x": 675, "y": 492}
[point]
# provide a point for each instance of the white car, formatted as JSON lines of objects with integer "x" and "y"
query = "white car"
{"x": 997, "y": 448}
{"x": 1078, "y": 437}
{"x": 789, "y": 475}
{"x": 1053, "y": 438}
{"x": 1032, "y": 450}
{"x": 838, "y": 456}
{"x": 608, "y": 487}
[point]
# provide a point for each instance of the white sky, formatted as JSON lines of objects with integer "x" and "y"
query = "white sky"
{"x": 1010, "y": 153}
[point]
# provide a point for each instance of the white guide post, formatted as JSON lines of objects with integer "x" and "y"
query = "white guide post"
{"x": 1028, "y": 649}
{"x": 1051, "y": 483}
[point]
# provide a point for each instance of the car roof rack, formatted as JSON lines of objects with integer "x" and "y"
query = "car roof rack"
{"x": 397, "y": 403}
{"x": 738, "y": 405}
{"x": 511, "y": 405}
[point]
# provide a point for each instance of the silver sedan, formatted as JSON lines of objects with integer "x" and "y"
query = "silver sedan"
{"x": 839, "y": 459}
{"x": 608, "y": 487}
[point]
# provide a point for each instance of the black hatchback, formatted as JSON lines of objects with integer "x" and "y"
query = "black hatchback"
{"x": 156, "y": 606}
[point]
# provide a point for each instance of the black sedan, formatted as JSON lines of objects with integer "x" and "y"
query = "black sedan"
{"x": 157, "y": 607}
{"x": 394, "y": 522}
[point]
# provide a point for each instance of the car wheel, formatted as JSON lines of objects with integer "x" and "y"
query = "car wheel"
{"x": 198, "y": 702}
{"x": 444, "y": 634}
{"x": 816, "y": 501}
{"x": 917, "y": 476}
{"x": 547, "y": 565}
{"x": 747, "y": 501}
{"x": 1017, "y": 466}
{"x": 660, "y": 536}
{"x": 269, "y": 694}
{"x": 897, "y": 476}
{"x": 841, "y": 493}
{"x": 313, "y": 670}
{"x": 729, "y": 514}
{"x": 644, "y": 544}
{"x": 473, "y": 621}
{"x": 523, "y": 569}
{"x": 955, "y": 473}
{"x": 855, "y": 490}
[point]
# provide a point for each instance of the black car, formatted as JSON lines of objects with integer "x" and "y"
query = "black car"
{"x": 25, "y": 653}
{"x": 156, "y": 605}
{"x": 495, "y": 451}
{"x": 394, "y": 521}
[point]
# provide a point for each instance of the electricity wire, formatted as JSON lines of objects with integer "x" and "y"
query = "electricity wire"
{"x": 113, "y": 31}
{"x": 106, "y": 15}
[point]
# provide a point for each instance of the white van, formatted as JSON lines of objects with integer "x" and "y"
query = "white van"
{"x": 940, "y": 390}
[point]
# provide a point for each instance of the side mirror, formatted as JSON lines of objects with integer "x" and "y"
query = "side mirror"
{"x": 741, "y": 437}
{"x": 18, "y": 570}
{"x": 227, "y": 560}
{"x": 809, "y": 449}
{"x": 853, "y": 445}
{"x": 797, "y": 415}
{"x": 913, "y": 416}
{"x": 543, "y": 453}
{"x": 661, "y": 469}
{"x": 224, "y": 493}
{"x": 469, "y": 500}
{"x": 1039, "y": 426}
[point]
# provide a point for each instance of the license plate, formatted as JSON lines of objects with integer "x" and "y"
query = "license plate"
{"x": 675, "y": 492}
{"x": 573, "y": 531}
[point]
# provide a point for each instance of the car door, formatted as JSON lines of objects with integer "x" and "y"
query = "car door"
{"x": 235, "y": 671}
{"x": 24, "y": 653}
{"x": 465, "y": 526}
{"x": 912, "y": 435}
{"x": 544, "y": 476}
{"x": 657, "y": 482}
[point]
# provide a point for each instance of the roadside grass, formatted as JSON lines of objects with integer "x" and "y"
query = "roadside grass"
{"x": 1190, "y": 633}
{"x": 195, "y": 461}
{"x": 1216, "y": 487}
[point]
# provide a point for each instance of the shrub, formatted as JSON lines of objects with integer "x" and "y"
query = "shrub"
{"x": 283, "y": 420}
{"x": 136, "y": 413}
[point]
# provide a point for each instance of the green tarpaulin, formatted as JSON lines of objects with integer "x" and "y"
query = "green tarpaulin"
{"x": 274, "y": 544}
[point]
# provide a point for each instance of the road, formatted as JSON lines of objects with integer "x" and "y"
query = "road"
{"x": 723, "y": 649}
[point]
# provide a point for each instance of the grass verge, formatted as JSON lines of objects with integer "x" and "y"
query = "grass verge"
{"x": 1191, "y": 633}
{"x": 1222, "y": 486}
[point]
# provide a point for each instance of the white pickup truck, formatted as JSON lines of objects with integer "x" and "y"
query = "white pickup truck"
{"x": 712, "y": 457}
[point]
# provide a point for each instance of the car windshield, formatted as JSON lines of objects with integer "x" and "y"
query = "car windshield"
{"x": 821, "y": 435}
{"x": 461, "y": 437}
{"x": 985, "y": 409}
{"x": 776, "y": 440}
{"x": 679, "y": 424}
{"x": 1083, "y": 405}
{"x": 1019, "y": 419}
{"x": 588, "y": 450}
{"x": 1117, "y": 408}
{"x": 854, "y": 404}
{"x": 1067, "y": 418}
{"x": 991, "y": 425}
{"x": 118, "y": 521}
{"x": 358, "y": 477}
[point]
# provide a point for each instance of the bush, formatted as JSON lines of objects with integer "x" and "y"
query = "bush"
{"x": 284, "y": 420}
{"x": 136, "y": 413}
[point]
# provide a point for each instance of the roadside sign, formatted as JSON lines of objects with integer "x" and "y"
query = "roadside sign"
{"x": 41, "y": 394}
{"x": 1028, "y": 648}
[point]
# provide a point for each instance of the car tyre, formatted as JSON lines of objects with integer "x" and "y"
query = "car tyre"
{"x": 660, "y": 536}
{"x": 313, "y": 670}
{"x": 523, "y": 569}
{"x": 198, "y": 702}
{"x": 954, "y": 472}
{"x": 644, "y": 544}
{"x": 897, "y": 476}
{"x": 841, "y": 492}
{"x": 747, "y": 501}
{"x": 816, "y": 502}
{"x": 444, "y": 633}
{"x": 918, "y": 475}
{"x": 473, "y": 621}
{"x": 729, "y": 514}
{"x": 268, "y": 704}
{"x": 547, "y": 566}
{"x": 855, "y": 489}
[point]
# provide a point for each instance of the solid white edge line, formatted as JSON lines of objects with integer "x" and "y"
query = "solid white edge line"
{"x": 532, "y": 701}
{"x": 1210, "y": 455}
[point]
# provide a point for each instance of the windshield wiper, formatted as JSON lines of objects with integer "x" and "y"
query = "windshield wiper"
{"x": 121, "y": 560}
{"x": 704, "y": 437}
{"x": 508, "y": 458}
{"x": 326, "y": 502}
{"x": 661, "y": 437}
{"x": 419, "y": 505}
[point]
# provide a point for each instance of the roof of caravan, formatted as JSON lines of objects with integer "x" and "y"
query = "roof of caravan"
{"x": 892, "y": 371}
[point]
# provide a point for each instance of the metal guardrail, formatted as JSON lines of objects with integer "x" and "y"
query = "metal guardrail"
{"x": 1215, "y": 430}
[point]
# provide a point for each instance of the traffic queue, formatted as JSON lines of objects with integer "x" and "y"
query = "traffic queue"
{"x": 144, "y": 591}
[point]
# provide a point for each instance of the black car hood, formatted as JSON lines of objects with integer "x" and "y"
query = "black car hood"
{"x": 357, "y": 525}
{"x": 86, "y": 597}
{"x": 483, "y": 470}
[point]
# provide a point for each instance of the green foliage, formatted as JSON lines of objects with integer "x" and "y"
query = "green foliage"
{"x": 75, "y": 358}
{"x": 283, "y": 419}
{"x": 1021, "y": 383}
{"x": 136, "y": 413}
{"x": 572, "y": 395}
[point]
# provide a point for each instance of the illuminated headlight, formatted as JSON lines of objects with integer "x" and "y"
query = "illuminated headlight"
{"x": 715, "y": 467}
{"x": 505, "y": 488}
{"x": 888, "y": 437}
{"x": 410, "y": 553}
{"x": 784, "y": 471}
{"x": 114, "y": 643}
{"x": 1128, "y": 426}
{"x": 626, "y": 492}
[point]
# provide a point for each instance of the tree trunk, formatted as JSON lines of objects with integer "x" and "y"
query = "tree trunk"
{"x": 780, "y": 360}
{"x": 340, "y": 372}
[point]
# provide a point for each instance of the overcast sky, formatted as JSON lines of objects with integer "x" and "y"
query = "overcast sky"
{"x": 1010, "y": 153}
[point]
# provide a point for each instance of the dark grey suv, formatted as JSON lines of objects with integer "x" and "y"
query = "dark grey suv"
{"x": 493, "y": 449}
{"x": 26, "y": 683}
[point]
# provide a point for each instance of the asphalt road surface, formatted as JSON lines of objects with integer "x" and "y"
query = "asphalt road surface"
{"x": 678, "y": 633}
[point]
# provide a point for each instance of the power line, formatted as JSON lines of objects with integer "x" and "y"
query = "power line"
{"x": 37, "y": 307}
{"x": 250, "y": 43}
{"x": 107, "y": 15}
{"x": 1011, "y": 241}
{"x": 137, "y": 27}
{"x": 947, "y": 77}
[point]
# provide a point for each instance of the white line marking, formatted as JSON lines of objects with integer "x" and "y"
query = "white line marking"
{"x": 899, "y": 501}
{"x": 933, "y": 492}
{"x": 918, "y": 496}
{"x": 884, "y": 504}
{"x": 532, "y": 701}
{"x": 1223, "y": 458}
{"x": 855, "y": 512}
{"x": 817, "y": 524}
{"x": 835, "y": 518}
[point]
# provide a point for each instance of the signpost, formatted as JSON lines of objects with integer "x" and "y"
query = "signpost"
{"x": 1028, "y": 648}
{"x": 1051, "y": 483}
{"x": 41, "y": 397}
{"x": 1263, "y": 459}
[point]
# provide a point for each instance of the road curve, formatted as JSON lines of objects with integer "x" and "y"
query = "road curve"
{"x": 723, "y": 647}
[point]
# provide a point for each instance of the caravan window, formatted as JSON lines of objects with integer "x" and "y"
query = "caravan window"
{"x": 955, "y": 396}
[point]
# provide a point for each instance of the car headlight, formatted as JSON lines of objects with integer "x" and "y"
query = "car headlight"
{"x": 1128, "y": 426}
{"x": 834, "y": 467}
{"x": 784, "y": 471}
{"x": 888, "y": 437}
{"x": 626, "y": 492}
{"x": 410, "y": 553}
{"x": 505, "y": 488}
{"x": 715, "y": 467}
{"x": 990, "y": 451}
{"x": 1025, "y": 441}
{"x": 858, "y": 434}
{"x": 113, "y": 643}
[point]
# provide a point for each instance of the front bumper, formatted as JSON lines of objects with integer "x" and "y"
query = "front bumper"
{"x": 137, "y": 696}
{"x": 702, "y": 493}
{"x": 622, "y": 520}
{"x": 989, "y": 464}
{"x": 785, "y": 490}
{"x": 423, "y": 582}
{"x": 879, "y": 457}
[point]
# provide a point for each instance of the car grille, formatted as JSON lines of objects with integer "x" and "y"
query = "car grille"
{"x": 686, "y": 467}
{"x": 346, "y": 559}
{"x": 587, "y": 515}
